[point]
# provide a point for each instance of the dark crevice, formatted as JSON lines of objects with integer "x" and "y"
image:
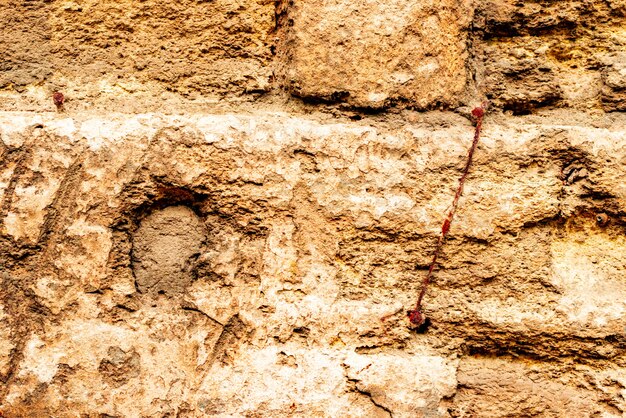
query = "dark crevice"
{"x": 541, "y": 346}
{"x": 329, "y": 99}
{"x": 191, "y": 308}
{"x": 527, "y": 107}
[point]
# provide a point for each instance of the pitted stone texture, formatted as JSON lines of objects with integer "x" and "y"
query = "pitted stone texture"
{"x": 314, "y": 228}
{"x": 91, "y": 49}
{"x": 536, "y": 54}
{"x": 371, "y": 54}
{"x": 6, "y": 344}
{"x": 506, "y": 387}
{"x": 614, "y": 77}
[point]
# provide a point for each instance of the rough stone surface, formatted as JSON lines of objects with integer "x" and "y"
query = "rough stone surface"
{"x": 297, "y": 240}
{"x": 182, "y": 56}
{"x": 544, "y": 54}
{"x": 235, "y": 206}
{"x": 134, "y": 48}
{"x": 508, "y": 387}
{"x": 371, "y": 54}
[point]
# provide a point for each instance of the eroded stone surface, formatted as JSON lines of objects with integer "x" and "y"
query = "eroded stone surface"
{"x": 504, "y": 388}
{"x": 372, "y": 54}
{"x": 314, "y": 228}
{"x": 151, "y": 56}
{"x": 544, "y": 54}
{"x": 196, "y": 257}
{"x": 6, "y": 345}
{"x": 84, "y": 48}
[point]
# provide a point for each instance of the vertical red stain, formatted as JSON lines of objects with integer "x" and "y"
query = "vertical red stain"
{"x": 416, "y": 317}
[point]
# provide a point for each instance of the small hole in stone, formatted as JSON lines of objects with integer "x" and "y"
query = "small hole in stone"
{"x": 602, "y": 219}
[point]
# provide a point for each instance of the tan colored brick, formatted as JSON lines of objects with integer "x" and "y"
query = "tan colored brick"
{"x": 370, "y": 53}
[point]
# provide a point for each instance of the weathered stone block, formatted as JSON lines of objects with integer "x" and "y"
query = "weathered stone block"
{"x": 370, "y": 54}
{"x": 548, "y": 54}
{"x": 190, "y": 47}
{"x": 303, "y": 234}
{"x": 614, "y": 89}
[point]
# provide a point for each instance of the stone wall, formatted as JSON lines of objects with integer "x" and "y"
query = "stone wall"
{"x": 235, "y": 206}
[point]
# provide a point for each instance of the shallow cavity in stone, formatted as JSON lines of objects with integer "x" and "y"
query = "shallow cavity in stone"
{"x": 164, "y": 249}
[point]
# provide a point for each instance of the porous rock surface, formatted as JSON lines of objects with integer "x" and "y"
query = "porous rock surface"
{"x": 237, "y": 204}
{"x": 284, "y": 241}
{"x": 371, "y": 53}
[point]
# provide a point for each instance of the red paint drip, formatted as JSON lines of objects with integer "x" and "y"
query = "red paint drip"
{"x": 416, "y": 316}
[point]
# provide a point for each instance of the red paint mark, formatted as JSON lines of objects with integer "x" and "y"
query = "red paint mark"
{"x": 478, "y": 112}
{"x": 58, "y": 99}
{"x": 416, "y": 316}
{"x": 446, "y": 226}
